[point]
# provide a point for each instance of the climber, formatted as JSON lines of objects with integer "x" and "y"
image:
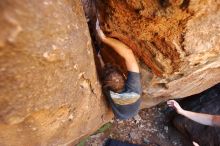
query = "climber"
{"x": 123, "y": 94}
{"x": 205, "y": 119}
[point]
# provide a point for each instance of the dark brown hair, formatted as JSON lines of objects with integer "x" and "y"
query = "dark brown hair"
{"x": 113, "y": 79}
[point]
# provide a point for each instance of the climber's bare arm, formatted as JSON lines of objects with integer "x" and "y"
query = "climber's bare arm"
{"x": 125, "y": 52}
{"x": 205, "y": 119}
{"x": 201, "y": 118}
{"x": 122, "y": 49}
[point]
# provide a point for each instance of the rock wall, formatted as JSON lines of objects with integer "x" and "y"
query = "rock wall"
{"x": 176, "y": 42}
{"x": 49, "y": 92}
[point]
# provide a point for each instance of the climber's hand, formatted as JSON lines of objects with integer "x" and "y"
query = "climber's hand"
{"x": 175, "y": 105}
{"x": 99, "y": 31}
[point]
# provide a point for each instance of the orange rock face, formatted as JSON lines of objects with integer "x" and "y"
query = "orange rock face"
{"x": 176, "y": 42}
{"x": 49, "y": 92}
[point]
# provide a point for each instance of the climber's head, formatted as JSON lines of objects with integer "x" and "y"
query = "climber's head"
{"x": 113, "y": 78}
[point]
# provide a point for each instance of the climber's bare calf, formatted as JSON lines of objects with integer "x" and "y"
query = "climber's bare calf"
{"x": 123, "y": 94}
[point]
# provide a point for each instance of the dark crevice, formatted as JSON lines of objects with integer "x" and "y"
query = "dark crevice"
{"x": 90, "y": 10}
{"x": 185, "y": 4}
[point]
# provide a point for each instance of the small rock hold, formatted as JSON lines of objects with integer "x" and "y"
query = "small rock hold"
{"x": 50, "y": 56}
{"x": 75, "y": 66}
{"x": 137, "y": 119}
{"x": 16, "y": 28}
{"x": 80, "y": 75}
{"x": 120, "y": 121}
{"x": 97, "y": 135}
{"x": 166, "y": 129}
{"x": 55, "y": 54}
{"x": 141, "y": 126}
{"x": 70, "y": 117}
{"x": 84, "y": 84}
{"x": 149, "y": 124}
{"x": 76, "y": 26}
{"x": 146, "y": 141}
{"x": 133, "y": 135}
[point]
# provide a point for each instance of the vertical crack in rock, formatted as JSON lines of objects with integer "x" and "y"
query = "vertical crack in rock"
{"x": 87, "y": 84}
{"x": 43, "y": 46}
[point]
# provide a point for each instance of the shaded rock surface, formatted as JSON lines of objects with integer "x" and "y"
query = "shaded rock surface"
{"x": 206, "y": 102}
{"x": 49, "y": 92}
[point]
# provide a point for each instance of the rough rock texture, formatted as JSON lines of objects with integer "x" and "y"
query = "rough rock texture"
{"x": 178, "y": 40}
{"x": 49, "y": 92}
{"x": 206, "y": 102}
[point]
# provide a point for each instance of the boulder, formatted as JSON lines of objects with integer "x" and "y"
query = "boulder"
{"x": 177, "y": 43}
{"x": 49, "y": 91}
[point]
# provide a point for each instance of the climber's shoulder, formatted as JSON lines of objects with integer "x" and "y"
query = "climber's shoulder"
{"x": 126, "y": 103}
